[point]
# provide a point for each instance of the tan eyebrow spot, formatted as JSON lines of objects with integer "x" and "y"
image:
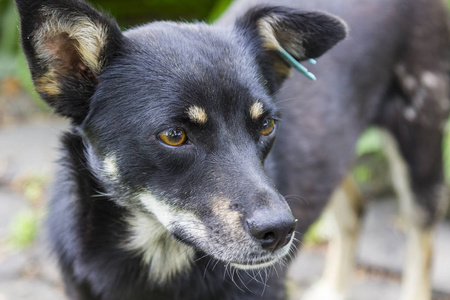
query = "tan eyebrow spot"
{"x": 256, "y": 110}
{"x": 197, "y": 114}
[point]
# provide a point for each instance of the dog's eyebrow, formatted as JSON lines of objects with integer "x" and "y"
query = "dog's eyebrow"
{"x": 197, "y": 114}
{"x": 256, "y": 110}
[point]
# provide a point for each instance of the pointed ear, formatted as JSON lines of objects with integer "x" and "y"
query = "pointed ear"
{"x": 302, "y": 34}
{"x": 67, "y": 44}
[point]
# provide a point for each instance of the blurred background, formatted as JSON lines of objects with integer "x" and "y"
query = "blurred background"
{"x": 28, "y": 149}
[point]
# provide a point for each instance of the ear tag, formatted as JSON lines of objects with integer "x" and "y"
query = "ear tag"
{"x": 296, "y": 65}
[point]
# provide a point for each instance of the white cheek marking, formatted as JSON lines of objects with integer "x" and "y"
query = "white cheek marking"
{"x": 163, "y": 212}
{"x": 161, "y": 253}
{"x": 110, "y": 167}
{"x": 170, "y": 217}
{"x": 164, "y": 256}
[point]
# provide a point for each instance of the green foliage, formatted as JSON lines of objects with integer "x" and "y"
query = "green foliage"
{"x": 12, "y": 60}
{"x": 143, "y": 11}
{"x": 362, "y": 173}
{"x": 218, "y": 9}
{"x": 24, "y": 226}
{"x": 23, "y": 229}
{"x": 33, "y": 188}
{"x": 317, "y": 233}
{"x": 8, "y": 39}
{"x": 446, "y": 150}
{"x": 370, "y": 142}
{"x": 8, "y": 36}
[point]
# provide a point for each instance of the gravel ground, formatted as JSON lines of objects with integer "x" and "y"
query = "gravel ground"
{"x": 29, "y": 150}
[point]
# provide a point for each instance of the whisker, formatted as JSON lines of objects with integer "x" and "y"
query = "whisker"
{"x": 217, "y": 261}
{"x": 232, "y": 278}
{"x": 295, "y": 197}
{"x": 288, "y": 99}
{"x": 200, "y": 258}
{"x": 238, "y": 273}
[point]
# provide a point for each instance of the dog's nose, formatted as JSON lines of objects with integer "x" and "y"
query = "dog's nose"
{"x": 272, "y": 229}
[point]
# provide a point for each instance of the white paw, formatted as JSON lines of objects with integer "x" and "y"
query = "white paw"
{"x": 322, "y": 291}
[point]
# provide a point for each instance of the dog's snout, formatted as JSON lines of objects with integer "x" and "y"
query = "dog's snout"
{"x": 272, "y": 229}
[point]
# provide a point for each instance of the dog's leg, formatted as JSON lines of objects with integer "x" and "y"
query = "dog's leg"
{"x": 416, "y": 273}
{"x": 345, "y": 212}
{"x": 415, "y": 113}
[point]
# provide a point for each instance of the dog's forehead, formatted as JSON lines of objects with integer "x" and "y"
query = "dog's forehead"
{"x": 187, "y": 43}
{"x": 197, "y": 61}
{"x": 170, "y": 73}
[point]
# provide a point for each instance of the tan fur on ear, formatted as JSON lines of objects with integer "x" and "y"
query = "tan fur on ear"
{"x": 267, "y": 26}
{"x": 266, "y": 29}
{"x": 47, "y": 84}
{"x": 88, "y": 37}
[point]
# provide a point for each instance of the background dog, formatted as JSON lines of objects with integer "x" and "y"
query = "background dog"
{"x": 162, "y": 189}
{"x": 392, "y": 72}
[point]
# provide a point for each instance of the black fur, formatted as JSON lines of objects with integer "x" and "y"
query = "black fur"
{"x": 213, "y": 191}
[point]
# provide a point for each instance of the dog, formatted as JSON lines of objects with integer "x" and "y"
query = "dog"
{"x": 171, "y": 182}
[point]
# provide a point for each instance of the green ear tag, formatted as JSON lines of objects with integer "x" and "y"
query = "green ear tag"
{"x": 296, "y": 65}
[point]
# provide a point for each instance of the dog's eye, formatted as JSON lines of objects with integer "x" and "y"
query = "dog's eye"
{"x": 173, "y": 136}
{"x": 268, "y": 126}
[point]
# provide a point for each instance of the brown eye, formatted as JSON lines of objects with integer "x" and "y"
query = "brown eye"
{"x": 268, "y": 126}
{"x": 173, "y": 136}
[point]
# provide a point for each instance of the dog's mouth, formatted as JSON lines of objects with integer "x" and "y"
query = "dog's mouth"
{"x": 247, "y": 254}
{"x": 263, "y": 262}
{"x": 248, "y": 262}
{"x": 224, "y": 238}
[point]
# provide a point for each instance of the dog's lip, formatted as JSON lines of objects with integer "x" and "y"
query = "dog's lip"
{"x": 263, "y": 262}
{"x": 252, "y": 265}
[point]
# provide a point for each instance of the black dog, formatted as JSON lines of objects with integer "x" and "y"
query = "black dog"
{"x": 163, "y": 192}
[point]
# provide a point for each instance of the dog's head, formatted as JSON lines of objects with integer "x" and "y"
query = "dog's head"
{"x": 178, "y": 119}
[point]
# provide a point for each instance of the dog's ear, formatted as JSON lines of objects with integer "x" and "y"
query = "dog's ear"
{"x": 302, "y": 34}
{"x": 67, "y": 44}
